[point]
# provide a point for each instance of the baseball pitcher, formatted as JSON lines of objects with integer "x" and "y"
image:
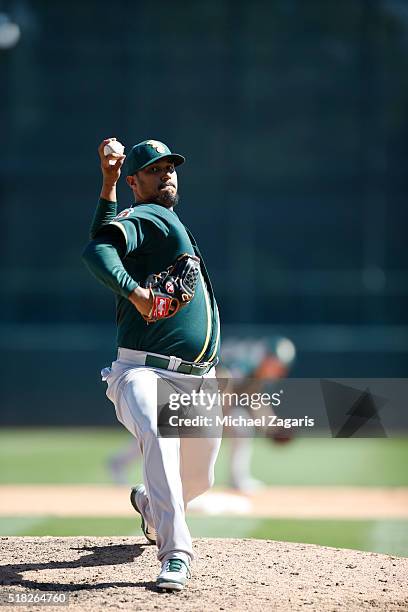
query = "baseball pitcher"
{"x": 167, "y": 329}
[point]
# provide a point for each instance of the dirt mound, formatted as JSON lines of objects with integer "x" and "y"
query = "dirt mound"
{"x": 239, "y": 575}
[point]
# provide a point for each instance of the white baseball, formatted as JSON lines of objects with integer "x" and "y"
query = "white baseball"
{"x": 113, "y": 147}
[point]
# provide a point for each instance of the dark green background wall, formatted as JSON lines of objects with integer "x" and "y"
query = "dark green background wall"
{"x": 293, "y": 116}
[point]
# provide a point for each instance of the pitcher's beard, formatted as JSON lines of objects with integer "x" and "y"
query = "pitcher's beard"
{"x": 168, "y": 199}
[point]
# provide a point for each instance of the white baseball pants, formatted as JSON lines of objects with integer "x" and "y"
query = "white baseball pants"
{"x": 175, "y": 470}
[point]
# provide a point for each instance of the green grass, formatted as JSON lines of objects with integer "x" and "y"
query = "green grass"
{"x": 80, "y": 456}
{"x": 389, "y": 537}
{"x": 354, "y": 462}
{"x": 67, "y": 456}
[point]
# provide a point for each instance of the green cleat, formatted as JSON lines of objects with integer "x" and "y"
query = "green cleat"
{"x": 173, "y": 576}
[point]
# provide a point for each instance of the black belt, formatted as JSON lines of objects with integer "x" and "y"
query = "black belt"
{"x": 185, "y": 367}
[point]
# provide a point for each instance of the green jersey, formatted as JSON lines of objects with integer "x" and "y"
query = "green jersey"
{"x": 152, "y": 237}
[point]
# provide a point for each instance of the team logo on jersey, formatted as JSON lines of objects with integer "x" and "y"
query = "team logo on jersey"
{"x": 169, "y": 287}
{"x": 124, "y": 213}
{"x": 160, "y": 148}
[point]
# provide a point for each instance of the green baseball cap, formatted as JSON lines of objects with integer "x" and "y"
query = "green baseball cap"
{"x": 147, "y": 152}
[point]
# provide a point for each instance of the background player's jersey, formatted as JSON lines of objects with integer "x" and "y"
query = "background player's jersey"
{"x": 154, "y": 238}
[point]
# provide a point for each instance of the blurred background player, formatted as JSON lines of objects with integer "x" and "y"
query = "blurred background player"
{"x": 252, "y": 366}
{"x": 247, "y": 366}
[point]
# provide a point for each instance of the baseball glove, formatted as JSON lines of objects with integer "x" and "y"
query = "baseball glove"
{"x": 279, "y": 435}
{"x": 173, "y": 288}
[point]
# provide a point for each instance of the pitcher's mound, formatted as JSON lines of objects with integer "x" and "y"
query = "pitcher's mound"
{"x": 120, "y": 573}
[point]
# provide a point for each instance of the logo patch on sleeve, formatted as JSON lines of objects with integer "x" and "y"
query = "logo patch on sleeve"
{"x": 124, "y": 213}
